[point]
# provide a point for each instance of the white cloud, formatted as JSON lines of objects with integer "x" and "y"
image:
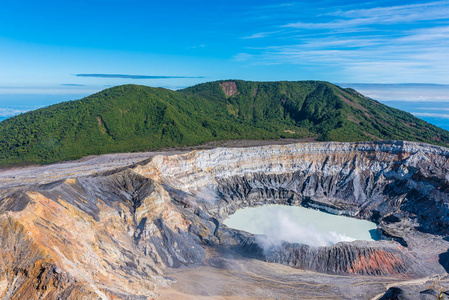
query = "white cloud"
{"x": 243, "y": 57}
{"x": 7, "y": 112}
{"x": 404, "y": 93}
{"x": 259, "y": 35}
{"x": 409, "y": 9}
{"x": 438, "y": 34}
{"x": 398, "y": 14}
{"x": 331, "y": 25}
{"x": 51, "y": 90}
{"x": 357, "y": 43}
{"x": 369, "y": 59}
{"x": 434, "y": 108}
{"x": 440, "y": 116}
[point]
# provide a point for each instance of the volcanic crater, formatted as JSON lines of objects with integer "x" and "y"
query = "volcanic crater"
{"x": 155, "y": 228}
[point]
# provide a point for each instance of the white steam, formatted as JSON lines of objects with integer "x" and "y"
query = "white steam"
{"x": 275, "y": 223}
{"x": 206, "y": 194}
{"x": 283, "y": 227}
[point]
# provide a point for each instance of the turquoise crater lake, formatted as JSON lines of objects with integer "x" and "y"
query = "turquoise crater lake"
{"x": 276, "y": 223}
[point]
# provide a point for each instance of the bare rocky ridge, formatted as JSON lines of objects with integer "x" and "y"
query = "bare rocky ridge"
{"x": 229, "y": 88}
{"x": 119, "y": 233}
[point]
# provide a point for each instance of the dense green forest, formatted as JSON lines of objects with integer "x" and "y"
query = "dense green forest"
{"x": 139, "y": 118}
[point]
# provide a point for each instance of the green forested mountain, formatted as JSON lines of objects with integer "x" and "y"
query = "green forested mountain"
{"x": 139, "y": 118}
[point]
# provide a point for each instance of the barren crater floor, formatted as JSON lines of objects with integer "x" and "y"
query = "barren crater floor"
{"x": 148, "y": 225}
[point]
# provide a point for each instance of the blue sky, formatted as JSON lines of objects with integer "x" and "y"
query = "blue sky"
{"x": 45, "y": 45}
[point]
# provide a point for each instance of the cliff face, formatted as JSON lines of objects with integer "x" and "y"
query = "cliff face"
{"x": 115, "y": 233}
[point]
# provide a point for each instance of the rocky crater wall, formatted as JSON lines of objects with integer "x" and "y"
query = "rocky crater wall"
{"x": 364, "y": 180}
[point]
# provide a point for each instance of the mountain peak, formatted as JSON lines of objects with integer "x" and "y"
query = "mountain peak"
{"x": 131, "y": 117}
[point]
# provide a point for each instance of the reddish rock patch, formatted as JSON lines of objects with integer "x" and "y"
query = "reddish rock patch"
{"x": 376, "y": 262}
{"x": 229, "y": 88}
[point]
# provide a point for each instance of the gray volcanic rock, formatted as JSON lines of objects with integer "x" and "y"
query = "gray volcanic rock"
{"x": 117, "y": 233}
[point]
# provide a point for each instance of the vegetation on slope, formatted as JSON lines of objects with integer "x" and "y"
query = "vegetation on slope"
{"x": 139, "y": 118}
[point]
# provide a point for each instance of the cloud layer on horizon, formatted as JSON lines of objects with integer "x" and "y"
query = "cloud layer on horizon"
{"x": 432, "y": 115}
{"x": 6, "y": 112}
{"x": 72, "y": 84}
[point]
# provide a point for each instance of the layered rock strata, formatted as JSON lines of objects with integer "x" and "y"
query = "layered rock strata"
{"x": 113, "y": 234}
